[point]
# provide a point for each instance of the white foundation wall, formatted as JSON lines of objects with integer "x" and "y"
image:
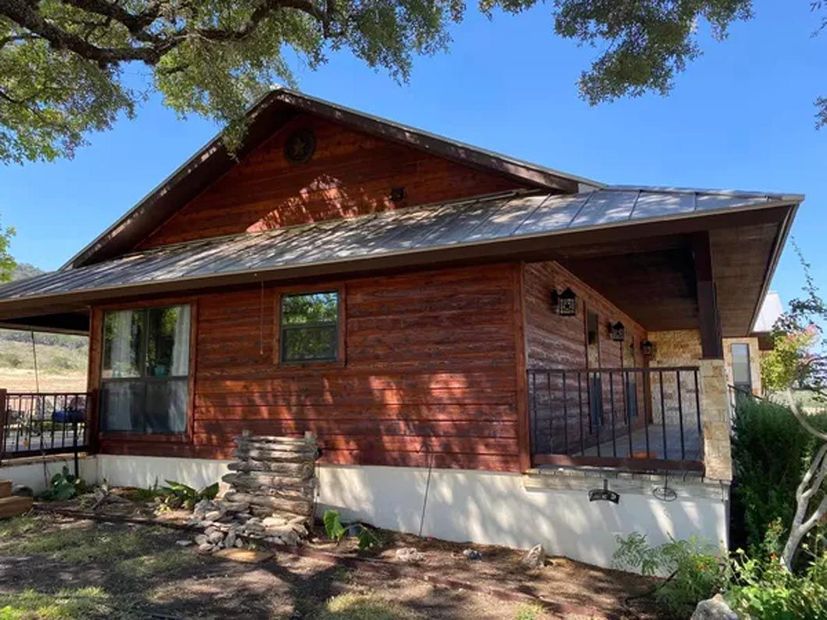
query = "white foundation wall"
{"x": 483, "y": 507}
{"x": 37, "y": 474}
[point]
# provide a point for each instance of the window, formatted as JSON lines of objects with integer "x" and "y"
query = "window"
{"x": 310, "y": 327}
{"x": 145, "y": 370}
{"x": 741, "y": 375}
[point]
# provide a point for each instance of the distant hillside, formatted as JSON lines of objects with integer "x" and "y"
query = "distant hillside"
{"x": 25, "y": 270}
{"x": 56, "y": 353}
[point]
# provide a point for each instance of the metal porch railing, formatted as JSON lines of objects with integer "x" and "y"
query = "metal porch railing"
{"x": 40, "y": 424}
{"x": 646, "y": 419}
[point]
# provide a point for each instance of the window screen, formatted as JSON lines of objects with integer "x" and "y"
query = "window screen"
{"x": 741, "y": 376}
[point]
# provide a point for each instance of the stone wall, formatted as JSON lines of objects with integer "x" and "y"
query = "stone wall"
{"x": 683, "y": 348}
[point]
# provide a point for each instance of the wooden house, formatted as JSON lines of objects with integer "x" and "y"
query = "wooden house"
{"x": 511, "y": 340}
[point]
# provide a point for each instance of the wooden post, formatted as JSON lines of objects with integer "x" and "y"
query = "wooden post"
{"x": 3, "y": 420}
{"x": 709, "y": 320}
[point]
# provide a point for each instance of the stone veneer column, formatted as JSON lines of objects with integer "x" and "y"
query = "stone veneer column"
{"x": 715, "y": 420}
{"x": 683, "y": 348}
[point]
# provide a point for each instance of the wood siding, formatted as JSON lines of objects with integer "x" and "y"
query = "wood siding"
{"x": 350, "y": 174}
{"x": 429, "y": 369}
{"x": 555, "y": 342}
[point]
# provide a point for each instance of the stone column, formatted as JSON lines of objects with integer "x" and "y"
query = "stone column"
{"x": 715, "y": 420}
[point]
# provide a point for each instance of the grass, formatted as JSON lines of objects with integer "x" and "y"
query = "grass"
{"x": 529, "y": 611}
{"x": 134, "y": 553}
{"x": 79, "y": 603}
{"x": 352, "y": 606}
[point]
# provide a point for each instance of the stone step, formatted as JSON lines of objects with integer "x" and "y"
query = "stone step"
{"x": 5, "y": 488}
{"x": 13, "y": 506}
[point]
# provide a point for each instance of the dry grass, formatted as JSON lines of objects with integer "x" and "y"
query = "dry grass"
{"x": 23, "y": 380}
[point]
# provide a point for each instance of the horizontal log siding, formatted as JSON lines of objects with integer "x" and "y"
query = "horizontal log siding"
{"x": 350, "y": 174}
{"x": 560, "y": 342}
{"x": 430, "y": 368}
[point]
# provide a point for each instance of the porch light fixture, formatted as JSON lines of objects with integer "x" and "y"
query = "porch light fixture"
{"x": 647, "y": 348}
{"x": 617, "y": 332}
{"x": 565, "y": 303}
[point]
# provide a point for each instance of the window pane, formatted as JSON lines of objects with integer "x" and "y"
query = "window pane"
{"x": 740, "y": 365}
{"x": 122, "y": 404}
{"x": 309, "y": 343}
{"x": 166, "y": 406}
{"x": 122, "y": 340}
{"x": 168, "y": 342}
{"x": 311, "y": 308}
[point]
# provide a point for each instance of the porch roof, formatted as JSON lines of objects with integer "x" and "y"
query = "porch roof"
{"x": 501, "y": 226}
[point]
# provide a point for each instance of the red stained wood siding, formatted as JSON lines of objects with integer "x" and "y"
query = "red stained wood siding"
{"x": 350, "y": 174}
{"x": 430, "y": 369}
{"x": 555, "y": 342}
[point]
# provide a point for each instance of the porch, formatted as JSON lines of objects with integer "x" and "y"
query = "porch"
{"x": 41, "y": 424}
{"x": 638, "y": 419}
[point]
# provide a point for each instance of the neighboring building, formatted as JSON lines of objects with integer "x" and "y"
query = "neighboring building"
{"x": 509, "y": 337}
{"x": 742, "y": 356}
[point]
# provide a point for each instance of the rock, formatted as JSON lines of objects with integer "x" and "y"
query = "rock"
{"x": 229, "y": 541}
{"x": 210, "y": 530}
{"x": 535, "y": 557}
{"x": 213, "y": 515}
{"x": 183, "y": 543}
{"x": 201, "y": 539}
{"x": 269, "y": 522}
{"x": 216, "y": 537}
{"x": 205, "y": 548}
{"x": 409, "y": 555}
{"x": 239, "y": 543}
{"x": 472, "y": 554}
{"x": 714, "y": 608}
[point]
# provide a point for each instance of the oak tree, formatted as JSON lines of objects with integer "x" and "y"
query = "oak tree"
{"x": 63, "y": 62}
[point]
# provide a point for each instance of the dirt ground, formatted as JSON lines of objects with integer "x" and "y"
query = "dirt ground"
{"x": 54, "y": 566}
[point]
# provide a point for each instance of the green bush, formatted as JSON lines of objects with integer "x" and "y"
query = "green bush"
{"x": 770, "y": 452}
{"x": 761, "y": 587}
{"x": 63, "y": 486}
{"x": 695, "y": 570}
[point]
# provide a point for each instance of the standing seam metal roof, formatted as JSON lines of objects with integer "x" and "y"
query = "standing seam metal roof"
{"x": 416, "y": 229}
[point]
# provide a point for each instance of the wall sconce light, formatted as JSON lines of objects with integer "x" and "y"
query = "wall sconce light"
{"x": 647, "y": 348}
{"x": 565, "y": 303}
{"x": 617, "y": 332}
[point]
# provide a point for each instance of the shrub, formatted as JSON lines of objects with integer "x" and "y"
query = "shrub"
{"x": 770, "y": 452}
{"x": 179, "y": 495}
{"x": 763, "y": 588}
{"x": 63, "y": 486}
{"x": 695, "y": 570}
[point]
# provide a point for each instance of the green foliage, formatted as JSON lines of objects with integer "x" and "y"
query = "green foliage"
{"x": 336, "y": 530}
{"x": 770, "y": 453}
{"x": 696, "y": 571}
{"x": 179, "y": 495}
{"x": 7, "y": 263}
{"x": 781, "y": 367}
{"x": 63, "y": 486}
{"x": 61, "y": 62}
{"x": 761, "y": 587}
{"x": 333, "y": 525}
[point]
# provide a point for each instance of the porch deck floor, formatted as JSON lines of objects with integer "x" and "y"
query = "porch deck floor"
{"x": 668, "y": 449}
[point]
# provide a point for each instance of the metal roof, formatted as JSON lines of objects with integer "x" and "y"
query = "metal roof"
{"x": 474, "y": 222}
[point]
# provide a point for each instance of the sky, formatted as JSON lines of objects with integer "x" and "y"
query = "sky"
{"x": 740, "y": 117}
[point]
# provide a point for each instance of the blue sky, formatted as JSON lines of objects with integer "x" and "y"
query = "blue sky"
{"x": 740, "y": 117}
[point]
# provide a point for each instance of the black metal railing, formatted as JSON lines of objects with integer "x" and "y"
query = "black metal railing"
{"x": 39, "y": 424}
{"x": 637, "y": 418}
